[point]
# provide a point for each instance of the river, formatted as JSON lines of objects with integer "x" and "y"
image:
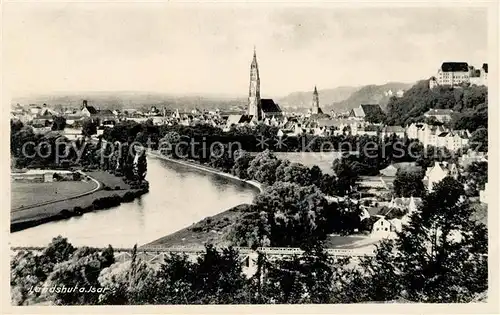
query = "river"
{"x": 178, "y": 196}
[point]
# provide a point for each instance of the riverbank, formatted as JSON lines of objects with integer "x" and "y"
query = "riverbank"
{"x": 111, "y": 191}
{"x": 207, "y": 169}
{"x": 211, "y": 230}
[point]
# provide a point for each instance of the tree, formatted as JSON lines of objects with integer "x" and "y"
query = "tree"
{"x": 439, "y": 257}
{"x": 57, "y": 251}
{"x": 295, "y": 214}
{"x": 479, "y": 140}
{"x": 89, "y": 128}
{"x": 476, "y": 177}
{"x": 141, "y": 166}
{"x": 409, "y": 183}
{"x": 263, "y": 167}
{"x": 131, "y": 282}
{"x": 346, "y": 177}
{"x": 215, "y": 278}
{"x": 82, "y": 270}
{"x": 297, "y": 173}
{"x": 27, "y": 271}
{"x": 306, "y": 278}
{"x": 242, "y": 161}
{"x": 59, "y": 123}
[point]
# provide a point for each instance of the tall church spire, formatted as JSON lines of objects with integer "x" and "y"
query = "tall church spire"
{"x": 254, "y": 103}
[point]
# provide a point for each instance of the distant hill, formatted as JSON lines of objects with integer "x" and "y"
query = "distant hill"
{"x": 138, "y": 100}
{"x": 303, "y": 100}
{"x": 369, "y": 94}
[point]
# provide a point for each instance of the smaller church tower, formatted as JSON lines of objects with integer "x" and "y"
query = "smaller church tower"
{"x": 315, "y": 103}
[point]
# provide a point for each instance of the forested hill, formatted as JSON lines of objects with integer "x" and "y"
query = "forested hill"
{"x": 470, "y": 104}
{"x": 369, "y": 94}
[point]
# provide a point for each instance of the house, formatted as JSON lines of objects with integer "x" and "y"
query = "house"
{"x": 441, "y": 115}
{"x": 483, "y": 194}
{"x": 438, "y": 172}
{"x": 365, "y": 109}
{"x": 87, "y": 110}
{"x": 453, "y": 73}
{"x": 389, "y": 171}
{"x": 382, "y": 228}
{"x": 433, "y": 82}
{"x": 270, "y": 108}
{"x": 390, "y": 130}
{"x": 237, "y": 120}
{"x": 413, "y": 130}
{"x": 470, "y": 157}
{"x": 479, "y": 76}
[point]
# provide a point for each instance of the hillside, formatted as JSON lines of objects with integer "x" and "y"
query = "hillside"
{"x": 303, "y": 100}
{"x": 470, "y": 104}
{"x": 369, "y": 94}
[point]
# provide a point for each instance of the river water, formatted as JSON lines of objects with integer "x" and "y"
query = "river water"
{"x": 178, "y": 197}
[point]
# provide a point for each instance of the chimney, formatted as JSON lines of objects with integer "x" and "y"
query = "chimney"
{"x": 84, "y": 103}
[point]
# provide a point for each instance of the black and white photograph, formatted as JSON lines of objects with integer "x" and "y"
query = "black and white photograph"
{"x": 244, "y": 153}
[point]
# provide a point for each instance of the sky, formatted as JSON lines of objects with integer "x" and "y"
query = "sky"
{"x": 183, "y": 49}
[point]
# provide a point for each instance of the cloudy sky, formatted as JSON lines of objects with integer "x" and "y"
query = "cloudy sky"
{"x": 208, "y": 49}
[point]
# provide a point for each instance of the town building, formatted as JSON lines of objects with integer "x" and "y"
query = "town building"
{"x": 441, "y": 115}
{"x": 363, "y": 110}
{"x": 470, "y": 157}
{"x": 438, "y": 172}
{"x": 433, "y": 83}
{"x": 483, "y": 194}
{"x": 387, "y": 131}
{"x": 479, "y": 76}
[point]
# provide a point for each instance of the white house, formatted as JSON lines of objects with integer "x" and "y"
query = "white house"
{"x": 438, "y": 172}
{"x": 381, "y": 227}
{"x": 483, "y": 194}
{"x": 442, "y": 115}
{"x": 390, "y": 130}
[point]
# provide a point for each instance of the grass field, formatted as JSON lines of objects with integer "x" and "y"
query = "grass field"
{"x": 36, "y": 193}
{"x": 108, "y": 179}
{"x": 323, "y": 160}
{"x": 28, "y": 194}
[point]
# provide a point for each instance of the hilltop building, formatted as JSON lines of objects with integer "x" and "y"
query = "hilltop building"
{"x": 458, "y": 73}
{"x": 453, "y": 73}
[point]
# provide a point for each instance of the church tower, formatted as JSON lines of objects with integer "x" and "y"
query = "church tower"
{"x": 315, "y": 102}
{"x": 254, "y": 103}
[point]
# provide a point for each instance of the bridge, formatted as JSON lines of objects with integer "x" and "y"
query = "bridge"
{"x": 270, "y": 251}
{"x": 155, "y": 255}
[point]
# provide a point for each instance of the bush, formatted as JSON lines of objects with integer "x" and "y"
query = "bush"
{"x": 117, "y": 188}
{"x": 128, "y": 196}
{"x": 65, "y": 213}
{"x": 78, "y": 210}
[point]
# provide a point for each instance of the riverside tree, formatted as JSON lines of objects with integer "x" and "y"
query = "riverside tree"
{"x": 295, "y": 215}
